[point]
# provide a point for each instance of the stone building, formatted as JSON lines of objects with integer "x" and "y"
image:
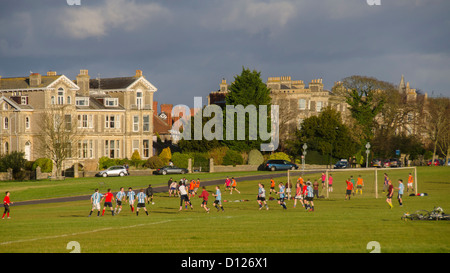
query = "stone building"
{"x": 114, "y": 116}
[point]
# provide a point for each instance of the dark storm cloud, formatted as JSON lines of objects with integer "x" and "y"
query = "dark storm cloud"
{"x": 186, "y": 47}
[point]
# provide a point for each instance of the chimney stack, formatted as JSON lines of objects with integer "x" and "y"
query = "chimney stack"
{"x": 138, "y": 73}
{"x": 83, "y": 82}
{"x": 35, "y": 79}
{"x": 167, "y": 108}
{"x": 51, "y": 73}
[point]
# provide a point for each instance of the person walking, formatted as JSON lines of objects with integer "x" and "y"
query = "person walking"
{"x": 400, "y": 189}
{"x": 262, "y": 196}
{"x": 390, "y": 193}
{"x": 149, "y": 193}
{"x": 218, "y": 201}
{"x": 205, "y": 196}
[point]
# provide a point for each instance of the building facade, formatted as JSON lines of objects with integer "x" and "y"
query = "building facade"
{"x": 113, "y": 116}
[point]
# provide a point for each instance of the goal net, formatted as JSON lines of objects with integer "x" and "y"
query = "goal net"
{"x": 371, "y": 180}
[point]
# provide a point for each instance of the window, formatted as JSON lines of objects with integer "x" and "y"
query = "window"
{"x": 6, "y": 148}
{"x": 24, "y": 100}
{"x": 27, "y": 122}
{"x": 139, "y": 99}
{"x": 69, "y": 100}
{"x": 85, "y": 121}
{"x": 302, "y": 104}
{"x": 82, "y": 101}
{"x": 68, "y": 122}
{"x": 83, "y": 149}
{"x": 135, "y": 123}
{"x": 146, "y": 123}
{"x": 135, "y": 145}
{"x": 91, "y": 149}
{"x": 318, "y": 106}
{"x": 111, "y": 102}
{"x": 112, "y": 148}
{"x": 60, "y": 96}
{"x": 6, "y": 123}
{"x": 112, "y": 121}
{"x": 53, "y": 100}
{"x": 146, "y": 148}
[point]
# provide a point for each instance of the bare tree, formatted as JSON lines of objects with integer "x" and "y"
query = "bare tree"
{"x": 59, "y": 135}
{"x": 438, "y": 124}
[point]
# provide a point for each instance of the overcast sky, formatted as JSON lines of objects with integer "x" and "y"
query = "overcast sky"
{"x": 185, "y": 47}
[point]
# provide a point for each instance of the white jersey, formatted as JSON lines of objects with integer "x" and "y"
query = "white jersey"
{"x": 182, "y": 190}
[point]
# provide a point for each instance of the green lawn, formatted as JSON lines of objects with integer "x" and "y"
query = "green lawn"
{"x": 335, "y": 225}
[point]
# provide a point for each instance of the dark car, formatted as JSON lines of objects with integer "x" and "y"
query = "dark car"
{"x": 341, "y": 164}
{"x": 171, "y": 169}
{"x": 395, "y": 162}
{"x": 279, "y": 164}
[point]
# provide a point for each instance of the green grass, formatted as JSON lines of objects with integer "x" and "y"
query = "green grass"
{"x": 335, "y": 225}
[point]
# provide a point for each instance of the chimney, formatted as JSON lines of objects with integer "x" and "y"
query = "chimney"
{"x": 167, "y": 108}
{"x": 35, "y": 79}
{"x": 138, "y": 73}
{"x": 83, "y": 82}
{"x": 155, "y": 107}
{"x": 51, "y": 73}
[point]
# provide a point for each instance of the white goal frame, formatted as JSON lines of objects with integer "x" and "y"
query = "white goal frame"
{"x": 327, "y": 171}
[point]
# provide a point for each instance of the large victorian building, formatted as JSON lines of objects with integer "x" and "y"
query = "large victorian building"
{"x": 114, "y": 116}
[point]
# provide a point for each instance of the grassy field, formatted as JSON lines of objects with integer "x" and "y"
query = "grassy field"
{"x": 336, "y": 225}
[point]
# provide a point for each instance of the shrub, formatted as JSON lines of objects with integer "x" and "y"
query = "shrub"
{"x": 280, "y": 155}
{"x": 180, "y": 160}
{"x": 165, "y": 155}
{"x": 154, "y": 162}
{"x": 232, "y": 157}
{"x": 218, "y": 154}
{"x": 13, "y": 160}
{"x": 255, "y": 157}
{"x": 201, "y": 160}
{"x": 44, "y": 163}
{"x": 105, "y": 162}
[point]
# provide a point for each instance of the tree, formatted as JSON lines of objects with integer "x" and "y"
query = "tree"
{"x": 59, "y": 134}
{"x": 326, "y": 134}
{"x": 438, "y": 124}
{"x": 247, "y": 90}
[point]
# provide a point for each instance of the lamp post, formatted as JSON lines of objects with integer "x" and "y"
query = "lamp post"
{"x": 304, "y": 155}
{"x": 367, "y": 152}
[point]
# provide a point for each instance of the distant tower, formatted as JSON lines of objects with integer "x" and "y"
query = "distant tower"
{"x": 402, "y": 86}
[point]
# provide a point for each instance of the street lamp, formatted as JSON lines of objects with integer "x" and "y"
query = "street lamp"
{"x": 304, "y": 155}
{"x": 367, "y": 152}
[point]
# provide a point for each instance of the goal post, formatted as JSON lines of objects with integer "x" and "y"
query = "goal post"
{"x": 371, "y": 177}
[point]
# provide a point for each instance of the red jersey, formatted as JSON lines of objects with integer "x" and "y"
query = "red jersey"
{"x": 108, "y": 197}
{"x": 349, "y": 185}
{"x": 205, "y": 195}
{"x": 6, "y": 200}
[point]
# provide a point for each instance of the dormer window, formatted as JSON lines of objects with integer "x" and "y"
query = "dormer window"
{"x": 82, "y": 101}
{"x": 24, "y": 100}
{"x": 111, "y": 102}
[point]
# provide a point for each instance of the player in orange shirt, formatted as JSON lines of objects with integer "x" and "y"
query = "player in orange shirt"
{"x": 197, "y": 185}
{"x": 359, "y": 184}
{"x": 410, "y": 183}
{"x": 349, "y": 189}
{"x": 272, "y": 186}
{"x": 191, "y": 188}
{"x": 233, "y": 186}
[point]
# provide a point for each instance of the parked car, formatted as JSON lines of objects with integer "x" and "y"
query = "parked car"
{"x": 113, "y": 171}
{"x": 395, "y": 162}
{"x": 279, "y": 164}
{"x": 341, "y": 164}
{"x": 437, "y": 162}
{"x": 377, "y": 163}
{"x": 171, "y": 169}
{"x": 387, "y": 163}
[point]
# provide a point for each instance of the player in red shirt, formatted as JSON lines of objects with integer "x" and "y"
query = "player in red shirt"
{"x": 109, "y": 197}
{"x": 349, "y": 189}
{"x": 204, "y": 195}
{"x": 6, "y": 204}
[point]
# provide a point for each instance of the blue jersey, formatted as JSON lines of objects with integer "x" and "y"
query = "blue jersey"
{"x": 131, "y": 195}
{"x": 282, "y": 192}
{"x": 120, "y": 195}
{"x": 96, "y": 197}
{"x": 141, "y": 197}
{"x": 310, "y": 192}
{"x": 219, "y": 195}
{"x": 401, "y": 188}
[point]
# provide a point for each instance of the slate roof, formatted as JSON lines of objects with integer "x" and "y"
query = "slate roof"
{"x": 24, "y": 82}
{"x": 111, "y": 83}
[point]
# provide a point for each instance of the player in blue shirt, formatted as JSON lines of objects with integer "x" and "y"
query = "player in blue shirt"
{"x": 130, "y": 198}
{"x": 119, "y": 197}
{"x": 142, "y": 199}
{"x": 218, "y": 201}
{"x": 400, "y": 189}
{"x": 281, "y": 192}
{"x": 309, "y": 196}
{"x": 96, "y": 198}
